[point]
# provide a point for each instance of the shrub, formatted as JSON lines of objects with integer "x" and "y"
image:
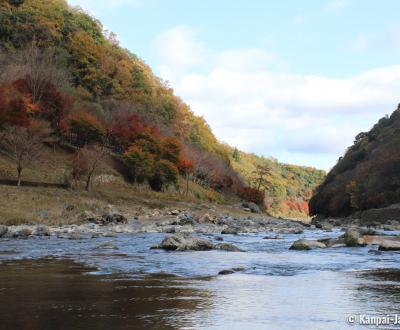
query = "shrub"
{"x": 165, "y": 173}
{"x": 252, "y": 195}
{"x": 86, "y": 128}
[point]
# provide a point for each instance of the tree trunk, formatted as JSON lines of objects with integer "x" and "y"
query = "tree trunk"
{"x": 19, "y": 175}
{"x": 88, "y": 180}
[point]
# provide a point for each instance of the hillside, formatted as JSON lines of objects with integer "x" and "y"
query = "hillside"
{"x": 288, "y": 187}
{"x": 61, "y": 73}
{"x": 367, "y": 176}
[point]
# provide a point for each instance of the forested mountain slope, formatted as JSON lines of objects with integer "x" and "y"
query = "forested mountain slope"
{"x": 367, "y": 176}
{"x": 61, "y": 70}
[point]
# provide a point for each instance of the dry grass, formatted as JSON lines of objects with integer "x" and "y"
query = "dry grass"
{"x": 55, "y": 206}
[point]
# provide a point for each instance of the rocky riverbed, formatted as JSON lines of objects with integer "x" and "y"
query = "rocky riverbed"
{"x": 181, "y": 268}
{"x": 183, "y": 226}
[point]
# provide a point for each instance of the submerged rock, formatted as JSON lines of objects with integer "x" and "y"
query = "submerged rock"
{"x": 273, "y": 237}
{"x": 304, "y": 244}
{"x": 184, "y": 242}
{"x": 227, "y": 247}
{"x": 230, "y": 231}
{"x": 107, "y": 245}
{"x": 226, "y": 272}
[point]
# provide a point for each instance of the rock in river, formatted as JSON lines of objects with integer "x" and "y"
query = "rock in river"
{"x": 304, "y": 244}
{"x": 226, "y": 272}
{"x": 389, "y": 245}
{"x": 227, "y": 247}
{"x": 184, "y": 242}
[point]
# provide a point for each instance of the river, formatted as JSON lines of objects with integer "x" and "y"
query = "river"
{"x": 53, "y": 283}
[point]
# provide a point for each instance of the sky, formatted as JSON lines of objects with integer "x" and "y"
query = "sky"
{"x": 295, "y": 80}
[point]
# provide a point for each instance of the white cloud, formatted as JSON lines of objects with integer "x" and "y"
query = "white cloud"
{"x": 101, "y": 6}
{"x": 299, "y": 19}
{"x": 360, "y": 43}
{"x": 254, "y": 102}
{"x": 178, "y": 50}
{"x": 336, "y": 5}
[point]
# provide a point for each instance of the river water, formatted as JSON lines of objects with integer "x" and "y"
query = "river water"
{"x": 51, "y": 283}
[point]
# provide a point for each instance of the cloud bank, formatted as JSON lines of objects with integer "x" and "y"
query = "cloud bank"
{"x": 252, "y": 99}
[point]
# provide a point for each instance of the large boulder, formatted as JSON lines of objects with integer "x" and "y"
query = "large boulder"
{"x": 353, "y": 237}
{"x": 389, "y": 245}
{"x": 3, "y": 230}
{"x": 41, "y": 230}
{"x": 304, "y": 244}
{"x": 230, "y": 231}
{"x": 253, "y": 207}
{"x": 113, "y": 218}
{"x": 184, "y": 242}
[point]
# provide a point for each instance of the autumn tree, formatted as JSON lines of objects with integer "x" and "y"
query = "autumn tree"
{"x": 185, "y": 166}
{"x": 37, "y": 67}
{"x": 252, "y": 195}
{"x": 171, "y": 150}
{"x": 86, "y": 162}
{"x": 14, "y": 106}
{"x": 86, "y": 128}
{"x": 24, "y": 145}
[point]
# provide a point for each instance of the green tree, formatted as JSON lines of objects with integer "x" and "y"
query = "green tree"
{"x": 165, "y": 173}
{"x": 140, "y": 163}
{"x": 236, "y": 154}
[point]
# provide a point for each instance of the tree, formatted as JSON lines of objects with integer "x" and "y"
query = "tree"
{"x": 186, "y": 167}
{"x": 86, "y": 163}
{"x": 252, "y": 195}
{"x": 24, "y": 145}
{"x": 353, "y": 190}
{"x": 14, "y": 107}
{"x": 140, "y": 163}
{"x": 165, "y": 173}
{"x": 261, "y": 175}
{"x": 171, "y": 150}
{"x": 37, "y": 67}
{"x": 86, "y": 128}
{"x": 236, "y": 154}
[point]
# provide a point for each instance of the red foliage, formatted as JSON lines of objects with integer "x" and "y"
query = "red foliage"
{"x": 55, "y": 107}
{"x": 124, "y": 125}
{"x": 294, "y": 205}
{"x": 14, "y": 107}
{"x": 185, "y": 166}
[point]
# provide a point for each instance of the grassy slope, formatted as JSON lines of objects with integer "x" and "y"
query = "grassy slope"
{"x": 47, "y": 204}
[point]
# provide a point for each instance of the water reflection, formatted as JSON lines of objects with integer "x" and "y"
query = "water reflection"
{"x": 56, "y": 294}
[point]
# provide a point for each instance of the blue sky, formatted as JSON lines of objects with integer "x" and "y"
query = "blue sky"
{"x": 296, "y": 80}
